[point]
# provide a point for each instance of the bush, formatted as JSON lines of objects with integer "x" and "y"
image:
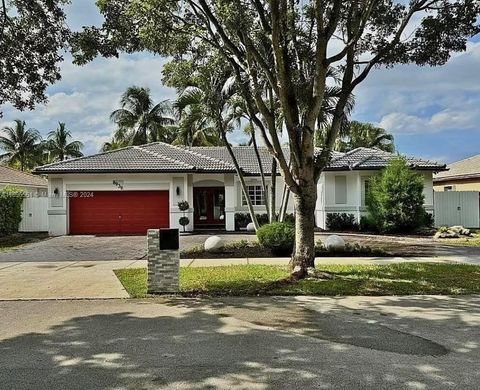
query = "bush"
{"x": 341, "y": 221}
{"x": 11, "y": 199}
{"x": 243, "y": 219}
{"x": 279, "y": 237}
{"x": 395, "y": 199}
{"x": 367, "y": 224}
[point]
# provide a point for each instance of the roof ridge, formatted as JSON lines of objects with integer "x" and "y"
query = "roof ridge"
{"x": 209, "y": 158}
{"x": 139, "y": 147}
{"x": 22, "y": 172}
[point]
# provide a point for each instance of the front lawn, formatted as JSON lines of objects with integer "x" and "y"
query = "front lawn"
{"x": 392, "y": 279}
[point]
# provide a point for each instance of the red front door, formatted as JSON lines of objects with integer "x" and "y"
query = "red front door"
{"x": 118, "y": 212}
{"x": 209, "y": 206}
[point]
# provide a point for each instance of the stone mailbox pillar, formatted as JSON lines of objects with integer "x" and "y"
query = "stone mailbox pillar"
{"x": 163, "y": 261}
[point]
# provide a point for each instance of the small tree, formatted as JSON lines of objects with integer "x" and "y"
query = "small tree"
{"x": 11, "y": 199}
{"x": 183, "y": 206}
{"x": 395, "y": 198}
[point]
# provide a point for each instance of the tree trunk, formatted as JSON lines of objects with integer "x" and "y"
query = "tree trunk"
{"x": 304, "y": 253}
{"x": 284, "y": 204}
{"x": 273, "y": 190}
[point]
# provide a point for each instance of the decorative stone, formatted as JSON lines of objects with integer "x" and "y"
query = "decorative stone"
{"x": 214, "y": 243}
{"x": 251, "y": 227}
{"x": 334, "y": 243}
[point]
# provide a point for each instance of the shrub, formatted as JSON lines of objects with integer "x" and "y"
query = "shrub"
{"x": 443, "y": 229}
{"x": 243, "y": 219}
{"x": 279, "y": 237}
{"x": 183, "y": 221}
{"x": 183, "y": 205}
{"x": 11, "y": 199}
{"x": 341, "y": 221}
{"x": 367, "y": 224}
{"x": 395, "y": 198}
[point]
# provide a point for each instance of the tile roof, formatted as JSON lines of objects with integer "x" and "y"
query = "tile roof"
{"x": 16, "y": 177}
{"x": 463, "y": 169}
{"x": 366, "y": 159}
{"x": 161, "y": 157}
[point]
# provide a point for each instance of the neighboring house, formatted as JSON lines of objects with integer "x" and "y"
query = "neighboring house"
{"x": 463, "y": 175}
{"x": 34, "y": 186}
{"x": 34, "y": 207}
{"x": 129, "y": 190}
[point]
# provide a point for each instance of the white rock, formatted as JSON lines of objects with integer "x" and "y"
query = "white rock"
{"x": 214, "y": 243}
{"x": 250, "y": 227}
{"x": 335, "y": 243}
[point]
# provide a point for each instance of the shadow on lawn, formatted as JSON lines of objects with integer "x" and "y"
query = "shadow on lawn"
{"x": 251, "y": 343}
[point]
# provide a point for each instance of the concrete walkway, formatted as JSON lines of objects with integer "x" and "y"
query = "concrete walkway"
{"x": 96, "y": 279}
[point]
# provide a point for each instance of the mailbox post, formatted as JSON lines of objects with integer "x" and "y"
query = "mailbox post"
{"x": 163, "y": 261}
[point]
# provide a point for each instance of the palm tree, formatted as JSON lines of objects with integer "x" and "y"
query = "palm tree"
{"x": 58, "y": 144}
{"x": 196, "y": 127}
{"x": 139, "y": 118}
{"x": 367, "y": 135}
{"x": 21, "y": 146}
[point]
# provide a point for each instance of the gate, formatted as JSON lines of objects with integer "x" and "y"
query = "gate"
{"x": 34, "y": 215}
{"x": 457, "y": 208}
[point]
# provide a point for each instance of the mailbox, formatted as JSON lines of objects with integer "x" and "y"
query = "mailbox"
{"x": 169, "y": 239}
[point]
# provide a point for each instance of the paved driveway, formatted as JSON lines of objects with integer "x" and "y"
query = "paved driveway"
{"x": 425, "y": 342}
{"x": 98, "y": 248}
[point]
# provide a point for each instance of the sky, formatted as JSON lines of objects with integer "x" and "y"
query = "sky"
{"x": 433, "y": 112}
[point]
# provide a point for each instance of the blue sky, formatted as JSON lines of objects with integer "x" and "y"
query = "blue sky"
{"x": 433, "y": 112}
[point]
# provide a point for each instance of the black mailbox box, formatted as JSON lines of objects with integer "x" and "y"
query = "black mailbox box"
{"x": 169, "y": 239}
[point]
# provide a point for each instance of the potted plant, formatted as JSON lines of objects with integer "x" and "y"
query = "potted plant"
{"x": 183, "y": 221}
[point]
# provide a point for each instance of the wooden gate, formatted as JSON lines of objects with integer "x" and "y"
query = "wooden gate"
{"x": 457, "y": 208}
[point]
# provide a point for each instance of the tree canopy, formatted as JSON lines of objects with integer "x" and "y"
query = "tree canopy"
{"x": 32, "y": 34}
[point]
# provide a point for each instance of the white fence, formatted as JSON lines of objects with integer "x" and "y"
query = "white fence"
{"x": 34, "y": 215}
{"x": 457, "y": 208}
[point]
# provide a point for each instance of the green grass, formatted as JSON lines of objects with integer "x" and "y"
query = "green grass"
{"x": 392, "y": 279}
{"x": 470, "y": 241}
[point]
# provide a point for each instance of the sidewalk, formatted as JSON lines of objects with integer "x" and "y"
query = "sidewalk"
{"x": 96, "y": 279}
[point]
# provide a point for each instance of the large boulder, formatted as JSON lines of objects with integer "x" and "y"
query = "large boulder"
{"x": 214, "y": 243}
{"x": 335, "y": 243}
{"x": 251, "y": 227}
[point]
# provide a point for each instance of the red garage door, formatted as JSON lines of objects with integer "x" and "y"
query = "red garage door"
{"x": 125, "y": 212}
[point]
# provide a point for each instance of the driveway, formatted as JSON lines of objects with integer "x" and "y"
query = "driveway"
{"x": 420, "y": 342}
{"x": 101, "y": 248}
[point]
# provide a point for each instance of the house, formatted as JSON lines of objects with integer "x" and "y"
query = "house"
{"x": 129, "y": 190}
{"x": 34, "y": 186}
{"x": 463, "y": 175}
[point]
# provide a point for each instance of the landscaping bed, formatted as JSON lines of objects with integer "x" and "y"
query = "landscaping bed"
{"x": 253, "y": 249}
{"x": 244, "y": 280}
{"x": 15, "y": 240}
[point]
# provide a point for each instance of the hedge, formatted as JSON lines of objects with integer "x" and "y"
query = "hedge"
{"x": 11, "y": 199}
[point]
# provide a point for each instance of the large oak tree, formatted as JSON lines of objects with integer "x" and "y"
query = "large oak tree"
{"x": 292, "y": 47}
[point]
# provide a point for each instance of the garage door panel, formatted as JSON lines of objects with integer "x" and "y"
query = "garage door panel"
{"x": 126, "y": 212}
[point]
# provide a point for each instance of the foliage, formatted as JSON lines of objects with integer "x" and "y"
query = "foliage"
{"x": 361, "y": 135}
{"x": 443, "y": 229}
{"x": 367, "y": 224}
{"x": 32, "y": 35}
{"x": 183, "y": 205}
{"x": 390, "y": 279}
{"x": 184, "y": 221}
{"x": 243, "y": 219}
{"x": 279, "y": 237}
{"x": 22, "y": 147}
{"x": 355, "y": 249}
{"x": 11, "y": 199}
{"x": 395, "y": 199}
{"x": 59, "y": 146}
{"x": 341, "y": 221}
{"x": 139, "y": 120}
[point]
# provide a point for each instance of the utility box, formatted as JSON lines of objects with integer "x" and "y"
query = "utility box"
{"x": 163, "y": 261}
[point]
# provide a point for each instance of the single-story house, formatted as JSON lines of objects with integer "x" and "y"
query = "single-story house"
{"x": 463, "y": 175}
{"x": 34, "y": 186}
{"x": 129, "y": 190}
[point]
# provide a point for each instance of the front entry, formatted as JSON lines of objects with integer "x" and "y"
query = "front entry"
{"x": 209, "y": 207}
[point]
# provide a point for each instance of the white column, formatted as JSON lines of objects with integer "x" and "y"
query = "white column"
{"x": 230, "y": 199}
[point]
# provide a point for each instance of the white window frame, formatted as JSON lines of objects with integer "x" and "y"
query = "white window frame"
{"x": 256, "y": 194}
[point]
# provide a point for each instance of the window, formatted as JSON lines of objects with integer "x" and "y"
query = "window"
{"x": 256, "y": 194}
{"x": 448, "y": 188}
{"x": 365, "y": 188}
{"x": 340, "y": 189}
